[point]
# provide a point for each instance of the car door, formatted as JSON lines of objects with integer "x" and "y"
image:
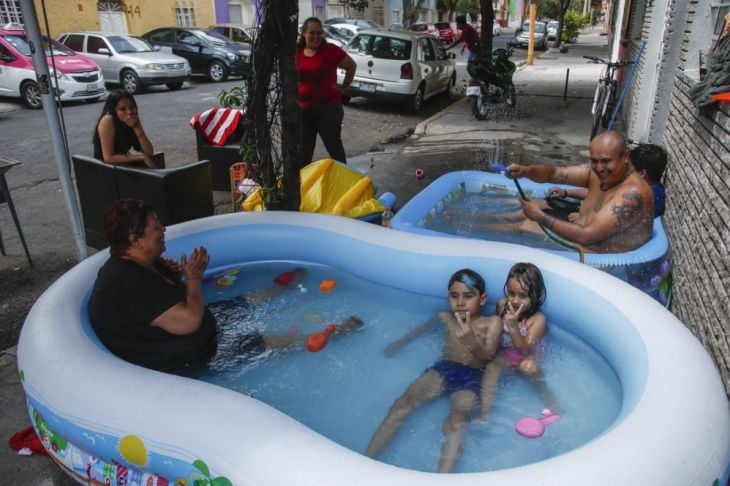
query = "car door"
{"x": 162, "y": 38}
{"x": 426, "y": 63}
{"x": 6, "y": 61}
{"x": 104, "y": 59}
{"x": 189, "y": 46}
{"x": 442, "y": 65}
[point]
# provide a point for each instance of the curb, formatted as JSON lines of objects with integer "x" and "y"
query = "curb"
{"x": 423, "y": 125}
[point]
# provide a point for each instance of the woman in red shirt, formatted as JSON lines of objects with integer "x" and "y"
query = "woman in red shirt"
{"x": 320, "y": 98}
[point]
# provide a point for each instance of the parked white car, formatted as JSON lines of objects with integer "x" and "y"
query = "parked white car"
{"x": 401, "y": 66}
{"x": 351, "y": 29}
{"x": 552, "y": 28}
{"x": 128, "y": 60}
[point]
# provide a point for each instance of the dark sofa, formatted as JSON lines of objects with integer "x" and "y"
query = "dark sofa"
{"x": 221, "y": 157}
{"x": 178, "y": 194}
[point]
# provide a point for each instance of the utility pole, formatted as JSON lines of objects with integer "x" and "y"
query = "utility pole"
{"x": 531, "y": 43}
{"x": 45, "y": 88}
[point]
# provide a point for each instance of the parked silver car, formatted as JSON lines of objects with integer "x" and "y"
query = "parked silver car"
{"x": 128, "y": 60}
{"x": 401, "y": 66}
{"x": 523, "y": 38}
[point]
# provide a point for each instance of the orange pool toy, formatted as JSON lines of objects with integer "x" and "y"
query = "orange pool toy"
{"x": 327, "y": 286}
{"x": 319, "y": 340}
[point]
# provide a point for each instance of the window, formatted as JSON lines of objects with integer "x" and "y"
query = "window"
{"x": 10, "y": 12}
{"x": 166, "y": 35}
{"x": 74, "y": 42}
{"x": 441, "y": 54}
{"x": 719, "y": 11}
{"x": 426, "y": 49}
{"x": 94, "y": 43}
{"x": 185, "y": 37}
{"x": 186, "y": 13}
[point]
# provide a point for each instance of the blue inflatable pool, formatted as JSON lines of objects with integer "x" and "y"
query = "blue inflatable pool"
{"x": 647, "y": 268}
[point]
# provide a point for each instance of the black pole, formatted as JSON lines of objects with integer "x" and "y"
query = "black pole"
{"x": 565, "y": 92}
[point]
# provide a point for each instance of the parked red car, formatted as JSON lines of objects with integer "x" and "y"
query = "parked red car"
{"x": 446, "y": 33}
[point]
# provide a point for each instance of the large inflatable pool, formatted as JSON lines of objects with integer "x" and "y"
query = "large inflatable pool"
{"x": 647, "y": 267}
{"x": 106, "y": 421}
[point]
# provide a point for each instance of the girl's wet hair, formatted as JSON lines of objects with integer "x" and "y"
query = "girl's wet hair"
{"x": 470, "y": 278}
{"x": 530, "y": 279}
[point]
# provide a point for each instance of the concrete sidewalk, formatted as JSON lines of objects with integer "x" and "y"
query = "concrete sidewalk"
{"x": 549, "y": 125}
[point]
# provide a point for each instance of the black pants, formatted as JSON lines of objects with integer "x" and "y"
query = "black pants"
{"x": 327, "y": 122}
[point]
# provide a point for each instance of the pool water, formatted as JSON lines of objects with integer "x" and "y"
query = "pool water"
{"x": 344, "y": 391}
{"x": 474, "y": 213}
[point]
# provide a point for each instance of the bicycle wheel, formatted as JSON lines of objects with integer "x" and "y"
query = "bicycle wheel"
{"x": 598, "y": 111}
{"x": 610, "y": 104}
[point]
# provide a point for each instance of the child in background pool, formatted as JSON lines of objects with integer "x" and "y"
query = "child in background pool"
{"x": 523, "y": 328}
{"x": 471, "y": 341}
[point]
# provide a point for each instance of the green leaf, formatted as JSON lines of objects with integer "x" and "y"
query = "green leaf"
{"x": 221, "y": 481}
{"x": 202, "y": 467}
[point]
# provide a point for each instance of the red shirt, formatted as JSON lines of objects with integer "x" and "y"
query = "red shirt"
{"x": 318, "y": 77}
{"x": 470, "y": 38}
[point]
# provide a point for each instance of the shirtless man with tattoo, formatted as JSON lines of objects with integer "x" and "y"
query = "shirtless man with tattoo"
{"x": 618, "y": 211}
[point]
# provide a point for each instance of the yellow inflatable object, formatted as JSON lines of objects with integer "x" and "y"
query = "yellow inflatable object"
{"x": 331, "y": 188}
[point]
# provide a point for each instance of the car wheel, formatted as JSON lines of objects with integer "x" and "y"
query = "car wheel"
{"x": 217, "y": 71}
{"x": 414, "y": 104}
{"x": 174, "y": 86}
{"x": 30, "y": 94}
{"x": 130, "y": 82}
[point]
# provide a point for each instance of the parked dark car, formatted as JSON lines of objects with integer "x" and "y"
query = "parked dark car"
{"x": 208, "y": 52}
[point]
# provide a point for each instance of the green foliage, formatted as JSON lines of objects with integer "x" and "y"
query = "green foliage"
{"x": 468, "y": 6}
{"x": 358, "y": 5}
{"x": 235, "y": 98}
{"x": 572, "y": 23}
{"x": 548, "y": 8}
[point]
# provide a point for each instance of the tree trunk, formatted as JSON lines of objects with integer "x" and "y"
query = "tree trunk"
{"x": 272, "y": 127}
{"x": 485, "y": 40}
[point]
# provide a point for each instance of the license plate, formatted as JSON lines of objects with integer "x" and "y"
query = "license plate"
{"x": 91, "y": 86}
{"x": 368, "y": 87}
{"x": 472, "y": 90}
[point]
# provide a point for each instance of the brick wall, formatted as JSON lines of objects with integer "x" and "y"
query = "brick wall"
{"x": 697, "y": 216}
{"x": 698, "y": 220}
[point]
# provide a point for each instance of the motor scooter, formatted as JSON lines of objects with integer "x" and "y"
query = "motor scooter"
{"x": 491, "y": 82}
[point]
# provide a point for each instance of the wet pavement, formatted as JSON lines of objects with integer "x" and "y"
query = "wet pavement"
{"x": 551, "y": 124}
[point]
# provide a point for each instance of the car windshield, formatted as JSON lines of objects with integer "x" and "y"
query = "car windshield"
{"x": 418, "y": 27}
{"x": 124, "y": 44}
{"x": 539, "y": 27}
{"x": 443, "y": 25}
{"x": 20, "y": 42}
{"x": 381, "y": 47}
{"x": 213, "y": 37}
{"x": 338, "y": 32}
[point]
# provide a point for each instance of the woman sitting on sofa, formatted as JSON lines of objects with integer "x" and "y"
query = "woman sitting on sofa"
{"x": 119, "y": 130}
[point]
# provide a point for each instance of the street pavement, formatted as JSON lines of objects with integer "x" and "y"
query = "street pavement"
{"x": 551, "y": 124}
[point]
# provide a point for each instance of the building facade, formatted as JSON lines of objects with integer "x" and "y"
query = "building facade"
{"x": 124, "y": 16}
{"x": 675, "y": 38}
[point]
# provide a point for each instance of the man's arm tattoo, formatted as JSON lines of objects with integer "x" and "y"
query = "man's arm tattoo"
{"x": 548, "y": 222}
{"x": 561, "y": 176}
{"x": 630, "y": 207}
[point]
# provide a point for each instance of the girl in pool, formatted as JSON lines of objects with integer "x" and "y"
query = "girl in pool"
{"x": 523, "y": 327}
